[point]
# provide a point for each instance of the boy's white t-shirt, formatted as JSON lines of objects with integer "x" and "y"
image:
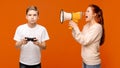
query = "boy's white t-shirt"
{"x": 30, "y": 53}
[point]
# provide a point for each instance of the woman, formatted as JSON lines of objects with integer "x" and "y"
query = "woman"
{"x": 91, "y": 37}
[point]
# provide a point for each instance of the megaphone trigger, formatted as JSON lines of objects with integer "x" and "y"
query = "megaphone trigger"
{"x": 70, "y": 27}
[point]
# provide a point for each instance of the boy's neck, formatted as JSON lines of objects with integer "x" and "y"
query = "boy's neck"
{"x": 31, "y": 25}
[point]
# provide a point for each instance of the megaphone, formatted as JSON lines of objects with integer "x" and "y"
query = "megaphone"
{"x": 75, "y": 16}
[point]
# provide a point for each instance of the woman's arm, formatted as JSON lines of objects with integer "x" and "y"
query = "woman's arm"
{"x": 88, "y": 37}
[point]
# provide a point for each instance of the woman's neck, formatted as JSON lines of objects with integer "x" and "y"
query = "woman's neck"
{"x": 92, "y": 22}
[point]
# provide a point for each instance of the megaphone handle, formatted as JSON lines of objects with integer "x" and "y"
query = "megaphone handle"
{"x": 70, "y": 27}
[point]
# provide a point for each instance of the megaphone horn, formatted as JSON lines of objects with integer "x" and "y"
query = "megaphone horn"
{"x": 65, "y": 16}
{"x": 75, "y": 16}
{"x": 61, "y": 16}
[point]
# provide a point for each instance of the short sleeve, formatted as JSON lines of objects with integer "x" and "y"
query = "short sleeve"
{"x": 17, "y": 36}
{"x": 44, "y": 35}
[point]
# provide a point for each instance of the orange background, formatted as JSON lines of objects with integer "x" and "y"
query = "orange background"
{"x": 62, "y": 50}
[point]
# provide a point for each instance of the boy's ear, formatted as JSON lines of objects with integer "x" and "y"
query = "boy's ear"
{"x": 26, "y": 16}
{"x": 38, "y": 18}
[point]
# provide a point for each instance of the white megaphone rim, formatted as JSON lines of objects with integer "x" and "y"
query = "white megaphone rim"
{"x": 61, "y": 16}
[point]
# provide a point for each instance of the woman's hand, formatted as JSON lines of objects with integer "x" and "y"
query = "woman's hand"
{"x": 73, "y": 24}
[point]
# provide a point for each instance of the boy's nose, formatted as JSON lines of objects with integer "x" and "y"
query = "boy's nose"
{"x": 32, "y": 17}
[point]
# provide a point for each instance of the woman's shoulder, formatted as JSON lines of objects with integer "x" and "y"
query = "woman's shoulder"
{"x": 97, "y": 25}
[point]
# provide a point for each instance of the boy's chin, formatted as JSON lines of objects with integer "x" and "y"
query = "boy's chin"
{"x": 32, "y": 22}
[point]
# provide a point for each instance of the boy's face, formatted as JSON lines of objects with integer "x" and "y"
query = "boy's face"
{"x": 32, "y": 16}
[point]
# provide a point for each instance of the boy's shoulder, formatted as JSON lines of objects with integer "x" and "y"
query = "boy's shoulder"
{"x": 22, "y": 26}
{"x": 41, "y": 26}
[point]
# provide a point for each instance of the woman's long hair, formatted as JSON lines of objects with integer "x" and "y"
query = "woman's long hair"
{"x": 99, "y": 19}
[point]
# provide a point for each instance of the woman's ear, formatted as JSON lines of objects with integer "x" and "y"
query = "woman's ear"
{"x": 94, "y": 14}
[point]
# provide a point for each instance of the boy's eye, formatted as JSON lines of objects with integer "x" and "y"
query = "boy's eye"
{"x": 35, "y": 15}
{"x": 29, "y": 14}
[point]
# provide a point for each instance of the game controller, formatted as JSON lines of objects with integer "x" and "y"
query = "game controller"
{"x": 30, "y": 39}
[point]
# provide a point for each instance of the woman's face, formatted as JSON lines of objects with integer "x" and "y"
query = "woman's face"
{"x": 89, "y": 15}
{"x": 32, "y": 16}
